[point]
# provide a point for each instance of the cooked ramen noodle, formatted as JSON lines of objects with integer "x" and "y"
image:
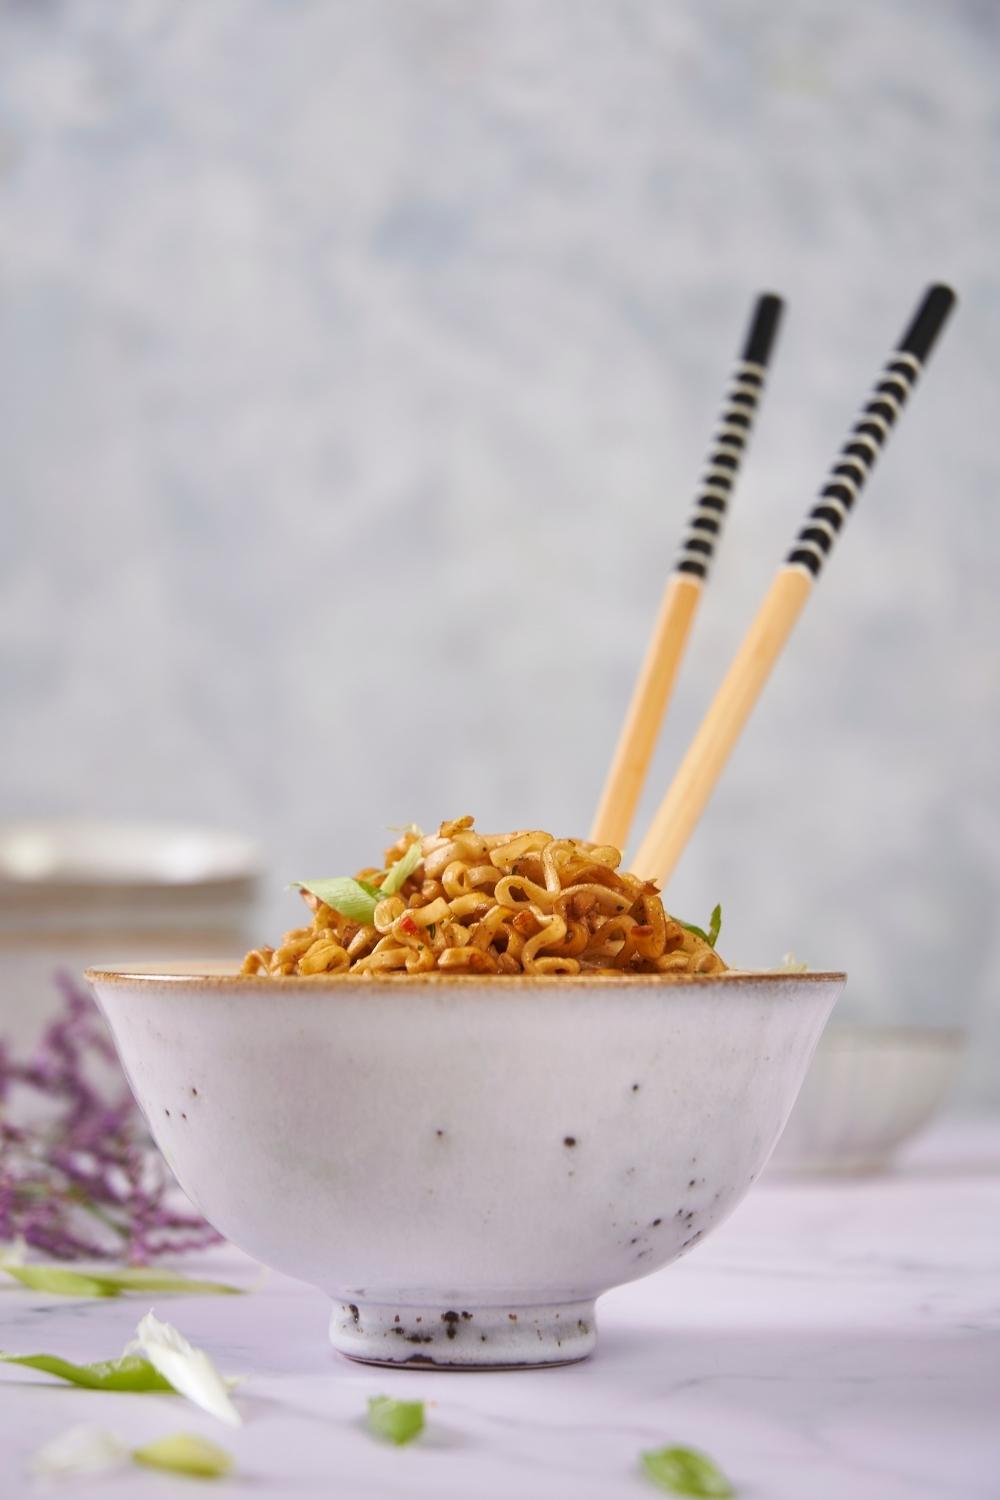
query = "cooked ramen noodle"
{"x": 490, "y": 903}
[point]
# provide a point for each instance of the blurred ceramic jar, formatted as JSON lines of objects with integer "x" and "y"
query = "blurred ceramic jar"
{"x": 73, "y": 894}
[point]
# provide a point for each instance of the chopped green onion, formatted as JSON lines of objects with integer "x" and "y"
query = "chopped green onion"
{"x": 711, "y": 937}
{"x": 80, "y": 1451}
{"x": 59, "y": 1281}
{"x": 400, "y": 872}
{"x": 353, "y": 900}
{"x": 184, "y": 1453}
{"x": 686, "y": 1471}
{"x": 63, "y": 1283}
{"x": 130, "y": 1373}
{"x": 357, "y": 899}
{"x": 159, "y": 1358}
{"x": 189, "y": 1371}
{"x": 149, "y": 1279}
{"x": 395, "y": 1421}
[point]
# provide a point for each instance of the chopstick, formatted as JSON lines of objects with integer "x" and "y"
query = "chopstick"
{"x": 710, "y": 749}
{"x": 682, "y": 594}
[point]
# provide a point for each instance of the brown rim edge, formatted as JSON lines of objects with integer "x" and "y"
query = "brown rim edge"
{"x": 436, "y": 979}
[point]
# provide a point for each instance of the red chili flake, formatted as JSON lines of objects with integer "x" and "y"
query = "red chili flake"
{"x": 407, "y": 924}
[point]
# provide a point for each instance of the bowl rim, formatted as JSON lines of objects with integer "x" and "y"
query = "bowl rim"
{"x": 132, "y": 976}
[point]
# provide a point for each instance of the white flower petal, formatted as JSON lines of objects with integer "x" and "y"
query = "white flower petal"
{"x": 189, "y": 1371}
{"x": 80, "y": 1450}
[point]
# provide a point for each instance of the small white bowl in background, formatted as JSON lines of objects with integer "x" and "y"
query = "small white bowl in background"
{"x": 74, "y": 890}
{"x": 868, "y": 1091}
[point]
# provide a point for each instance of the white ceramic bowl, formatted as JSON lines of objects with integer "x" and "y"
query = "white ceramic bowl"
{"x": 868, "y": 1091}
{"x": 465, "y": 1164}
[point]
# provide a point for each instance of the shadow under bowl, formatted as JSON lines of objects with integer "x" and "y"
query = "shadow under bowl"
{"x": 465, "y": 1164}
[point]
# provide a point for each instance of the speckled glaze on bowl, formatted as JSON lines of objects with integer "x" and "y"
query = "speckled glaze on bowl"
{"x": 463, "y": 1164}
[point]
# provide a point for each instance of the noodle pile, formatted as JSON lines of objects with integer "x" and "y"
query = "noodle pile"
{"x": 503, "y": 903}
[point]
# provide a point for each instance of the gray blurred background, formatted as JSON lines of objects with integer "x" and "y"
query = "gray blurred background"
{"x": 357, "y": 361}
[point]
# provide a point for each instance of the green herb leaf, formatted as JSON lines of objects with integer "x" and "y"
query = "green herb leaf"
{"x": 711, "y": 937}
{"x": 183, "y": 1453}
{"x": 63, "y": 1283}
{"x": 357, "y": 899}
{"x": 59, "y": 1281}
{"x": 150, "y": 1279}
{"x": 686, "y": 1471}
{"x": 130, "y": 1373}
{"x": 400, "y": 872}
{"x": 395, "y": 1421}
{"x": 352, "y": 898}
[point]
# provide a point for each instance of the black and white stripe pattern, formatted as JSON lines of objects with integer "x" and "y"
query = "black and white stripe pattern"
{"x": 854, "y": 462}
{"x": 728, "y": 445}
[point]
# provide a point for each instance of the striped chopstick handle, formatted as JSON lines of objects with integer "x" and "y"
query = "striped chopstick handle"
{"x": 872, "y": 427}
{"x": 729, "y": 441}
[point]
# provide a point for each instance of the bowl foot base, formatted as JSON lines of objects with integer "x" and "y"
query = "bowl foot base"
{"x": 462, "y": 1337}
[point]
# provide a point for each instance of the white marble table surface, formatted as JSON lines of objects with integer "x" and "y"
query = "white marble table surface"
{"x": 833, "y": 1339}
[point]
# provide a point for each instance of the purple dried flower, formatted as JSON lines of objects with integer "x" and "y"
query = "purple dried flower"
{"x": 80, "y": 1177}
